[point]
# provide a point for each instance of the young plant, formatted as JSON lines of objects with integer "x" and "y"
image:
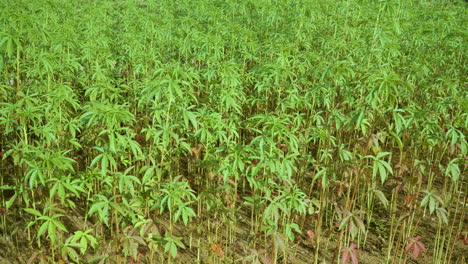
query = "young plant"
{"x": 350, "y": 254}
{"x": 415, "y": 247}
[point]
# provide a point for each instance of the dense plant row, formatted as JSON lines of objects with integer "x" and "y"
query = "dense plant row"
{"x": 233, "y": 131}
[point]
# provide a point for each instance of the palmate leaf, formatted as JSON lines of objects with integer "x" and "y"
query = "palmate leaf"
{"x": 415, "y": 246}
{"x": 442, "y": 215}
{"x": 127, "y": 182}
{"x": 323, "y": 175}
{"x": 101, "y": 206}
{"x": 431, "y": 200}
{"x": 49, "y": 224}
{"x": 223, "y": 66}
{"x": 135, "y": 148}
{"x": 353, "y": 222}
{"x": 289, "y": 231}
{"x": 83, "y": 239}
{"x": 68, "y": 251}
{"x": 344, "y": 154}
{"x": 186, "y": 213}
{"x": 35, "y": 176}
{"x": 453, "y": 171}
{"x": 172, "y": 243}
{"x": 350, "y": 254}
{"x": 191, "y": 117}
{"x": 57, "y": 188}
{"x": 380, "y": 166}
{"x": 383, "y": 168}
{"x": 9, "y": 42}
{"x": 272, "y": 211}
{"x": 131, "y": 242}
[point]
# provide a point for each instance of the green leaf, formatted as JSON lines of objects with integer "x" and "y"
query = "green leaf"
{"x": 52, "y": 231}
{"x": 388, "y": 167}
{"x": 375, "y": 169}
{"x": 180, "y": 244}
{"x": 289, "y": 231}
{"x": 84, "y": 244}
{"x": 382, "y": 171}
{"x": 42, "y": 229}
{"x": 453, "y": 171}
{"x": 10, "y": 202}
{"x": 104, "y": 163}
{"x": 425, "y": 200}
{"x": 73, "y": 254}
{"x": 33, "y": 212}
{"x": 173, "y": 250}
{"x": 432, "y": 204}
{"x": 344, "y": 222}
{"x": 380, "y": 195}
{"x": 96, "y": 160}
{"x": 442, "y": 215}
{"x": 95, "y": 207}
{"x": 60, "y": 225}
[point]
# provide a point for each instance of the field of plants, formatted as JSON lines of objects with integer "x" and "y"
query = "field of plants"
{"x": 233, "y": 131}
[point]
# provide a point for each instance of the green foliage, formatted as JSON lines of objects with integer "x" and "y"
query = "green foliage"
{"x": 83, "y": 239}
{"x": 171, "y": 245}
{"x": 47, "y": 224}
{"x": 380, "y": 166}
{"x": 125, "y": 120}
{"x": 431, "y": 200}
